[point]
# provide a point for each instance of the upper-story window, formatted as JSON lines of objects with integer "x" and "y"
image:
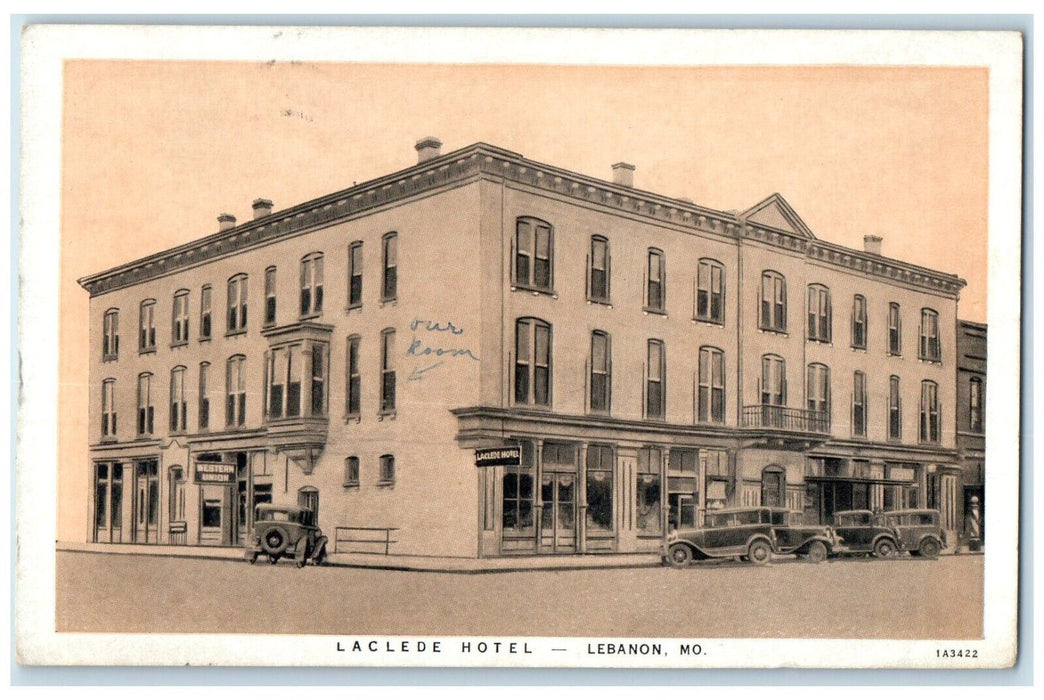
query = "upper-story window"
{"x": 108, "y": 408}
{"x": 532, "y": 362}
{"x": 147, "y": 326}
{"x": 353, "y": 382}
{"x": 355, "y": 274}
{"x": 930, "y": 347}
{"x": 859, "y": 404}
{"x": 319, "y": 379}
{"x": 204, "y": 398}
{"x": 773, "y": 380}
{"x": 390, "y": 257}
{"x": 819, "y": 321}
{"x": 534, "y": 254}
{"x": 929, "y": 412}
{"x": 818, "y": 388}
{"x": 859, "y": 321}
{"x": 286, "y": 393}
{"x": 235, "y": 391}
{"x": 204, "y": 313}
{"x": 710, "y": 403}
{"x": 601, "y": 372}
{"x": 351, "y": 471}
{"x": 773, "y": 315}
{"x": 179, "y": 318}
{"x": 895, "y": 330}
{"x": 975, "y": 405}
{"x": 178, "y": 403}
{"x": 598, "y": 270}
{"x": 655, "y": 281}
{"x": 111, "y": 335}
{"x": 237, "y": 303}
{"x": 387, "y": 470}
{"x": 895, "y": 409}
{"x": 388, "y": 370}
{"x": 312, "y": 284}
{"x": 655, "y": 380}
{"x": 146, "y": 412}
{"x": 271, "y": 303}
{"x": 710, "y": 291}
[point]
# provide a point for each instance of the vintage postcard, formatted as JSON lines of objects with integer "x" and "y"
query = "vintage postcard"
{"x": 493, "y": 347}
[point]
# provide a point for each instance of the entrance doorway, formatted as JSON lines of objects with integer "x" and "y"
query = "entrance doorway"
{"x": 558, "y": 520}
{"x": 146, "y": 502}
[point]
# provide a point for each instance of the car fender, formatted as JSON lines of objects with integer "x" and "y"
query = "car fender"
{"x": 698, "y": 550}
{"x": 760, "y": 537}
{"x": 885, "y": 536}
{"x": 803, "y": 547}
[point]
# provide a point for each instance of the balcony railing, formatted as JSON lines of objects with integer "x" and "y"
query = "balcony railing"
{"x": 783, "y": 418}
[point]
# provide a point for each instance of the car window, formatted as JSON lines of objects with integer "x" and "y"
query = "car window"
{"x": 751, "y": 517}
{"x": 925, "y": 518}
{"x": 779, "y": 518}
{"x": 717, "y": 519}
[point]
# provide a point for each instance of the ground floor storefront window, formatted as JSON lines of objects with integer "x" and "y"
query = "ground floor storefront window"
{"x": 599, "y": 516}
{"x": 649, "y": 492}
{"x": 108, "y": 502}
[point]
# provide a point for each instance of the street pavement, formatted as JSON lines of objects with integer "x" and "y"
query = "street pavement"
{"x": 902, "y": 598}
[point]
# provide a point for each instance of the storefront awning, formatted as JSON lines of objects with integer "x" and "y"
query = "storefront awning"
{"x": 859, "y": 480}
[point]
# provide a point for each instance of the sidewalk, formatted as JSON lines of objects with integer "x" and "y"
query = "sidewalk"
{"x": 449, "y": 565}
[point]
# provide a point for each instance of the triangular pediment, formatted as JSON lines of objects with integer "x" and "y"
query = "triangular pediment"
{"x": 773, "y": 211}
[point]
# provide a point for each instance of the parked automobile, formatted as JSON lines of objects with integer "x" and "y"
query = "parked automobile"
{"x": 286, "y": 531}
{"x": 863, "y": 532}
{"x": 919, "y": 531}
{"x": 754, "y": 534}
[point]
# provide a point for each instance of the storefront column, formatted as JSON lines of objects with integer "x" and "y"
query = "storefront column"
{"x": 538, "y": 488}
{"x": 624, "y": 497}
{"x": 665, "y": 499}
{"x": 581, "y": 500}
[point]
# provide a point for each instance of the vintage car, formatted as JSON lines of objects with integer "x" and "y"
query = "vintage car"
{"x": 753, "y": 534}
{"x": 863, "y": 532}
{"x": 919, "y": 531}
{"x": 286, "y": 531}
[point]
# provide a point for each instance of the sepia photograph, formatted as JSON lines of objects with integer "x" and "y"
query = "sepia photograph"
{"x": 521, "y": 348}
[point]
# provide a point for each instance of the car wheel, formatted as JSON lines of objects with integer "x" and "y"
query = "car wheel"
{"x": 930, "y": 548}
{"x": 817, "y": 552}
{"x": 759, "y": 553}
{"x": 274, "y": 540}
{"x": 885, "y": 549}
{"x": 679, "y": 556}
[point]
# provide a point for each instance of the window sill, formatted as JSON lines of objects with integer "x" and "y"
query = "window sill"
{"x": 310, "y": 317}
{"x": 109, "y": 439}
{"x": 393, "y": 301}
{"x": 147, "y": 351}
{"x": 352, "y": 486}
{"x": 205, "y": 339}
{"x": 232, "y": 334}
{"x": 268, "y": 324}
{"x": 385, "y": 484}
{"x": 930, "y": 360}
{"x": 179, "y": 344}
{"x": 655, "y": 312}
{"x": 773, "y": 331}
{"x": 386, "y": 415}
{"x": 110, "y": 358}
{"x": 820, "y": 341}
{"x": 858, "y": 348}
{"x": 353, "y": 418}
{"x": 534, "y": 290}
{"x": 708, "y": 322}
{"x": 600, "y": 302}
{"x": 353, "y": 307}
{"x": 895, "y": 354}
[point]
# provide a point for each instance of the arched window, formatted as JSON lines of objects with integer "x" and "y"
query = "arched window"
{"x": 859, "y": 321}
{"x": 819, "y": 313}
{"x": 975, "y": 405}
{"x": 598, "y": 270}
{"x": 532, "y": 362}
{"x": 710, "y": 291}
{"x": 353, "y": 378}
{"x": 930, "y": 346}
{"x": 237, "y": 303}
{"x": 109, "y": 407}
{"x": 111, "y": 335}
{"x": 773, "y": 316}
{"x": 146, "y": 412}
{"x": 930, "y": 417}
{"x": 817, "y": 389}
{"x": 387, "y": 473}
{"x": 895, "y": 330}
{"x": 205, "y": 316}
{"x": 601, "y": 372}
{"x": 388, "y": 370}
{"x": 711, "y": 393}
{"x": 895, "y": 409}
{"x": 655, "y": 380}
{"x": 179, "y": 318}
{"x": 178, "y": 402}
{"x": 655, "y": 281}
{"x": 147, "y": 326}
{"x": 351, "y": 471}
{"x": 271, "y": 302}
{"x": 177, "y": 493}
{"x": 312, "y": 284}
{"x": 308, "y": 497}
{"x": 773, "y": 380}
{"x": 355, "y": 274}
{"x": 773, "y": 486}
{"x": 204, "y": 397}
{"x": 534, "y": 254}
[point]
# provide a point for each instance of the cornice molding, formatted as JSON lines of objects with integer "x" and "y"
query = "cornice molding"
{"x": 480, "y": 159}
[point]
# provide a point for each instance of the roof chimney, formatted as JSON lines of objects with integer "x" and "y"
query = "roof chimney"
{"x": 872, "y": 244}
{"x": 427, "y": 148}
{"x": 623, "y": 174}
{"x": 262, "y": 207}
{"x": 226, "y": 221}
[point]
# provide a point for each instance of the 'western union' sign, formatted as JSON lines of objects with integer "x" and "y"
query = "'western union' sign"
{"x": 214, "y": 473}
{"x": 498, "y": 457}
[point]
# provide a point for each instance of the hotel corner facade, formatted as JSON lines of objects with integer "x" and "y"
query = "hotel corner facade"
{"x": 648, "y": 357}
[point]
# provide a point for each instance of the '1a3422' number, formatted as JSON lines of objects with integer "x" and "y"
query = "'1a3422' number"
{"x": 957, "y": 653}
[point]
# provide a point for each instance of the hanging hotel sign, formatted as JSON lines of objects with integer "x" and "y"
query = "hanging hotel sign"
{"x": 498, "y": 457}
{"x": 215, "y": 473}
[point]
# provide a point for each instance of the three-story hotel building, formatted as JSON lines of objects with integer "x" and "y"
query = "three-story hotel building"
{"x": 650, "y": 358}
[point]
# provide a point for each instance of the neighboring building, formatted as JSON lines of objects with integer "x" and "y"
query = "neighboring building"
{"x": 971, "y": 417}
{"x": 651, "y": 358}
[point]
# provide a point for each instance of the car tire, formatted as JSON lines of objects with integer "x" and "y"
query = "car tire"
{"x": 759, "y": 553}
{"x": 885, "y": 549}
{"x": 679, "y": 556}
{"x": 929, "y": 548}
{"x": 274, "y": 540}
{"x": 817, "y": 552}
